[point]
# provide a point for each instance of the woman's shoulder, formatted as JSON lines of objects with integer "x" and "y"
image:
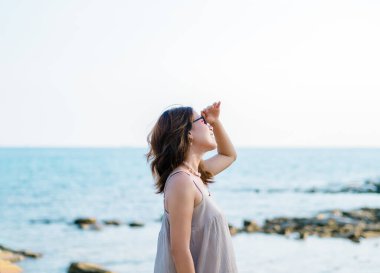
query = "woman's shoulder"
{"x": 179, "y": 176}
{"x": 179, "y": 183}
{"x": 178, "y": 172}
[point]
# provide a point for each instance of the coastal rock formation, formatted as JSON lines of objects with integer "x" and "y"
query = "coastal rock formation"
{"x": 368, "y": 186}
{"x": 136, "y": 224}
{"x": 233, "y": 230}
{"x": 352, "y": 225}
{"x": 112, "y": 222}
{"x": 23, "y": 253}
{"x": 87, "y": 223}
{"x": 9, "y": 256}
{"x": 47, "y": 221}
{"x": 250, "y": 226}
{"x": 79, "y": 267}
{"x": 90, "y": 223}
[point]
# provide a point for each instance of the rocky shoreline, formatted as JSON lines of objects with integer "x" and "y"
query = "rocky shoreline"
{"x": 368, "y": 186}
{"x": 88, "y": 223}
{"x": 353, "y": 225}
{"x": 10, "y": 256}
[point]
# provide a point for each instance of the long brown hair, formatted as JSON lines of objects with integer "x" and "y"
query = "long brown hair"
{"x": 169, "y": 144}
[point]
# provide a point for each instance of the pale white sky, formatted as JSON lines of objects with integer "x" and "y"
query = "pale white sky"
{"x": 99, "y": 73}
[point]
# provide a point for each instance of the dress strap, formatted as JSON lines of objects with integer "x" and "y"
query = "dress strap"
{"x": 191, "y": 179}
{"x": 167, "y": 179}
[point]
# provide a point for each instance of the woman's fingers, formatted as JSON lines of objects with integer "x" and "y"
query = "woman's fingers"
{"x": 215, "y": 105}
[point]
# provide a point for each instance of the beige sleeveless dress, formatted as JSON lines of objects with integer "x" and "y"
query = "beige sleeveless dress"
{"x": 210, "y": 243}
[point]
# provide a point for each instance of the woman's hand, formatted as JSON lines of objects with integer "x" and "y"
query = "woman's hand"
{"x": 211, "y": 113}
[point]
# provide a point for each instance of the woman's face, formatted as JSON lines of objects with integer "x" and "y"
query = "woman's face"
{"x": 202, "y": 134}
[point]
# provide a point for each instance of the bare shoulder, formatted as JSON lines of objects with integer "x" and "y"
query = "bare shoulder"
{"x": 180, "y": 195}
{"x": 179, "y": 183}
{"x": 180, "y": 207}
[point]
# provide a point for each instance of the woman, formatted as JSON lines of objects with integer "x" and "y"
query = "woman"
{"x": 194, "y": 236}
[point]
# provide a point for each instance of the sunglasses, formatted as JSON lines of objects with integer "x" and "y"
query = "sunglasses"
{"x": 201, "y": 117}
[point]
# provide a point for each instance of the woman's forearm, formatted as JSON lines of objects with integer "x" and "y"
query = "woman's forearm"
{"x": 225, "y": 146}
{"x": 183, "y": 261}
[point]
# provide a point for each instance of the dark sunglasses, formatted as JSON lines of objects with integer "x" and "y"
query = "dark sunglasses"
{"x": 201, "y": 117}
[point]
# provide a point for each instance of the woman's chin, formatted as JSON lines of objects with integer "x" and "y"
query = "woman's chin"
{"x": 210, "y": 145}
{"x": 213, "y": 145}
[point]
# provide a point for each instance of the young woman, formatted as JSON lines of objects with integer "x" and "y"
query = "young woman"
{"x": 194, "y": 236}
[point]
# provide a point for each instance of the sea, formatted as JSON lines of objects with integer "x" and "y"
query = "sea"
{"x": 43, "y": 190}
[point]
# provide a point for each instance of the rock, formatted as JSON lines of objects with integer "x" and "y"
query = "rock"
{"x": 346, "y": 228}
{"x": 24, "y": 253}
{"x": 79, "y": 267}
{"x": 136, "y": 224}
{"x": 7, "y": 256}
{"x": 325, "y": 234}
{"x": 250, "y": 226}
{"x": 112, "y": 222}
{"x": 81, "y": 221}
{"x": 336, "y": 212}
{"x": 87, "y": 223}
{"x": 233, "y": 230}
{"x": 364, "y": 215}
{"x": 10, "y": 256}
{"x": 366, "y": 187}
{"x": 342, "y": 221}
{"x": 371, "y": 227}
{"x": 286, "y": 231}
{"x": 352, "y": 225}
{"x": 95, "y": 226}
{"x": 47, "y": 221}
{"x": 355, "y": 235}
{"x": 321, "y": 216}
{"x": 370, "y": 234}
{"x": 30, "y": 254}
{"x": 303, "y": 235}
{"x": 8, "y": 267}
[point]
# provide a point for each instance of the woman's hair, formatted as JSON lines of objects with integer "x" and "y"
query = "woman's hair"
{"x": 169, "y": 143}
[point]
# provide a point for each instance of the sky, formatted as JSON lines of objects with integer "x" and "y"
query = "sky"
{"x": 99, "y": 73}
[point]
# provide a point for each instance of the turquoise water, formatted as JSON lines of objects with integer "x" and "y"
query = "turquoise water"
{"x": 61, "y": 184}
